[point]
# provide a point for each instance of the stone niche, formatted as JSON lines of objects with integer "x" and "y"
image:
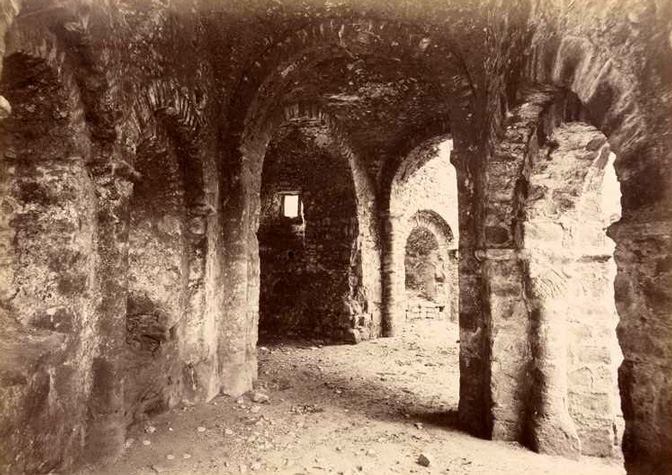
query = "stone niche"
{"x": 157, "y": 268}
{"x": 310, "y": 262}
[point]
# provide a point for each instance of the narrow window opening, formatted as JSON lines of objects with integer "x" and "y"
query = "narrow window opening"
{"x": 291, "y": 205}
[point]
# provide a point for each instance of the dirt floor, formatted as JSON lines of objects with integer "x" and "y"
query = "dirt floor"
{"x": 373, "y": 408}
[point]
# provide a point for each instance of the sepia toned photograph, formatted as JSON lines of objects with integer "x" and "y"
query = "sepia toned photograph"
{"x": 336, "y": 237}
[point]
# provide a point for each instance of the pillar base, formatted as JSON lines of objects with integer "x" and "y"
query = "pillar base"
{"x": 556, "y": 435}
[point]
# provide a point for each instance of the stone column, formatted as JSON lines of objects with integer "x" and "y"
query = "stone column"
{"x": 393, "y": 316}
{"x": 553, "y": 430}
{"x": 107, "y": 426}
{"x": 237, "y": 330}
{"x": 509, "y": 347}
{"x": 199, "y": 347}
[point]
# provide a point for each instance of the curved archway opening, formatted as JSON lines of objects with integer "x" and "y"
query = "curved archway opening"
{"x": 573, "y": 197}
{"x": 424, "y": 194}
{"x": 310, "y": 260}
{"x": 422, "y": 265}
{"x": 423, "y": 274}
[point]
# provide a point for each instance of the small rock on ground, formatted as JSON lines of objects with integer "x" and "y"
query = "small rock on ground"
{"x": 425, "y": 460}
{"x": 259, "y": 397}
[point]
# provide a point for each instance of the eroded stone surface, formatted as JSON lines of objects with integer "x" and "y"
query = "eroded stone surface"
{"x": 132, "y": 147}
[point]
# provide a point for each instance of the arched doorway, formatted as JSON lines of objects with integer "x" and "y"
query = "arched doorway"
{"x": 430, "y": 269}
{"x": 424, "y": 195}
{"x": 424, "y": 274}
{"x": 573, "y": 196}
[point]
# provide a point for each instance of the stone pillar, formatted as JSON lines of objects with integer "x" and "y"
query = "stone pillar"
{"x": 553, "y": 430}
{"x": 474, "y": 348}
{"x": 393, "y": 297}
{"x": 643, "y": 290}
{"x": 107, "y": 426}
{"x": 198, "y": 349}
{"x": 237, "y": 330}
{"x": 509, "y": 347}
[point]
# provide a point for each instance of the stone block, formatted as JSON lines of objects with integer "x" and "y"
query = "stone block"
{"x": 591, "y": 403}
{"x": 595, "y": 354}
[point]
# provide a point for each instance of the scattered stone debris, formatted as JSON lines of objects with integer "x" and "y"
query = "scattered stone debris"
{"x": 305, "y": 409}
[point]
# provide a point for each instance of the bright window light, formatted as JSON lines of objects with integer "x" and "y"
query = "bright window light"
{"x": 290, "y": 206}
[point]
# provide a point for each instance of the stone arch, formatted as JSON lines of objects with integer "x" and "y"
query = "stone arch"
{"x": 639, "y": 135}
{"x": 521, "y": 289}
{"x": 317, "y": 41}
{"x": 398, "y": 220}
{"x": 437, "y": 225}
{"x": 48, "y": 207}
{"x": 447, "y": 249}
{"x": 434, "y": 132}
{"x": 245, "y": 204}
{"x": 321, "y": 275}
{"x": 570, "y": 293}
{"x": 577, "y": 73}
{"x": 609, "y": 96}
{"x": 166, "y": 317}
{"x": 256, "y": 103}
{"x": 163, "y": 102}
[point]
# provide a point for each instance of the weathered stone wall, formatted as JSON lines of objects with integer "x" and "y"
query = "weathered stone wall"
{"x": 310, "y": 265}
{"x": 157, "y": 273}
{"x": 551, "y": 288}
{"x": 48, "y": 281}
{"x": 76, "y": 144}
{"x": 218, "y": 77}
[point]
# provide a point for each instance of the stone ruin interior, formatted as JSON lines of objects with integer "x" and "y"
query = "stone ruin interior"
{"x": 182, "y": 181}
